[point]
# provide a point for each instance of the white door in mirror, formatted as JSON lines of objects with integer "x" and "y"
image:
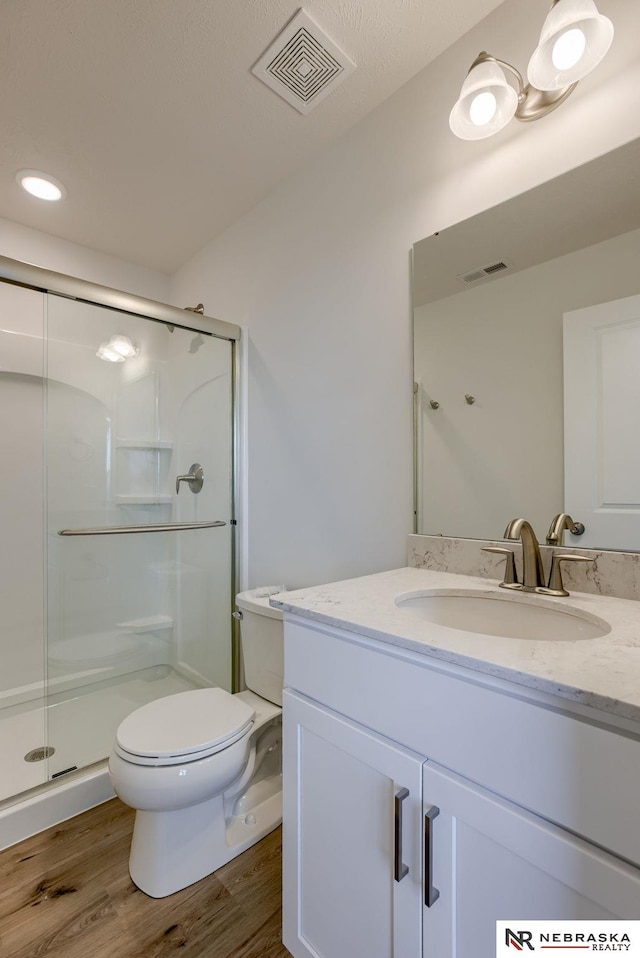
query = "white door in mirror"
{"x": 601, "y": 402}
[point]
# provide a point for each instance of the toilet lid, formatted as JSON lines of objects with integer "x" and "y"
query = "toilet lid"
{"x": 185, "y": 724}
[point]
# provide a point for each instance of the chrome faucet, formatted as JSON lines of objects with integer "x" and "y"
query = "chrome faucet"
{"x": 532, "y": 571}
{"x": 558, "y": 524}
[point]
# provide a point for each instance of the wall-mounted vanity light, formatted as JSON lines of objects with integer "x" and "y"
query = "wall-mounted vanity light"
{"x": 574, "y": 39}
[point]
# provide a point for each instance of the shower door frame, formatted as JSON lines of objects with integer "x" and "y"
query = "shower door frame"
{"x": 17, "y": 273}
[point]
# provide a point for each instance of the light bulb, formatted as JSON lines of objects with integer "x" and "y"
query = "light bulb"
{"x": 575, "y": 38}
{"x": 42, "y": 185}
{"x": 568, "y": 49}
{"x": 486, "y": 102}
{"x": 483, "y": 108}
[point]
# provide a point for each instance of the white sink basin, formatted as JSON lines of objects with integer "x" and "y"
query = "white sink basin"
{"x": 514, "y": 616}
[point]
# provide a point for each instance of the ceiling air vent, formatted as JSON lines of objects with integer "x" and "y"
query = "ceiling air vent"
{"x": 483, "y": 272}
{"x": 303, "y": 65}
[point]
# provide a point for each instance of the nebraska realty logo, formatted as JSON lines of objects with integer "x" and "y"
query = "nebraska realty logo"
{"x": 567, "y": 937}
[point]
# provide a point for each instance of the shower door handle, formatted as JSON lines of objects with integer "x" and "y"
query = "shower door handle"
{"x": 195, "y": 478}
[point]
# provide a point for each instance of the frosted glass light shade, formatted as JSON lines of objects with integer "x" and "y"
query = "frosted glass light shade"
{"x": 485, "y": 105}
{"x": 545, "y": 70}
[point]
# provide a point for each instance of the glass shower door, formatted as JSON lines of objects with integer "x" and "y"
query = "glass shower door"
{"x": 138, "y": 435}
{"x": 22, "y": 659}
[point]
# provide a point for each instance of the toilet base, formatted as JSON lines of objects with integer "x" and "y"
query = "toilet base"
{"x": 171, "y": 850}
{"x": 174, "y": 848}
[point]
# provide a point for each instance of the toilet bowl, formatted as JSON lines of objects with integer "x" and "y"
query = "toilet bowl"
{"x": 202, "y": 768}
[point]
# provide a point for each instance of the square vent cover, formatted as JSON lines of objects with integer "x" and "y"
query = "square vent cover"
{"x": 303, "y": 65}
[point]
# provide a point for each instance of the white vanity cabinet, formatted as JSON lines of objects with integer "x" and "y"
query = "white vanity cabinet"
{"x": 353, "y": 882}
{"x": 492, "y": 860}
{"x": 517, "y": 808}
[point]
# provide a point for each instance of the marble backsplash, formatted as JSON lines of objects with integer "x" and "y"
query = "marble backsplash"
{"x": 611, "y": 573}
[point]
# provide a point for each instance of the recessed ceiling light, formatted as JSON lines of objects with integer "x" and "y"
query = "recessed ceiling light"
{"x": 42, "y": 185}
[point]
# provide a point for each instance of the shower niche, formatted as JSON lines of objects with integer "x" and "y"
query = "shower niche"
{"x": 143, "y": 456}
{"x": 143, "y": 470}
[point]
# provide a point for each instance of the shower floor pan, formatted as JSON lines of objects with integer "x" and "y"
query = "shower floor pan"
{"x": 79, "y": 725}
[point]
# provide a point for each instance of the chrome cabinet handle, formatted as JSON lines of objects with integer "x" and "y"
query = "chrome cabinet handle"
{"x": 431, "y": 894}
{"x": 400, "y": 870}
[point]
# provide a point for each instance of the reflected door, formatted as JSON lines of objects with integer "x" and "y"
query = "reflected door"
{"x": 131, "y": 405}
{"x": 601, "y": 397}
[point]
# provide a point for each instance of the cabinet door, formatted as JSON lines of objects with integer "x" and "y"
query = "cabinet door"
{"x": 352, "y": 876}
{"x": 491, "y": 860}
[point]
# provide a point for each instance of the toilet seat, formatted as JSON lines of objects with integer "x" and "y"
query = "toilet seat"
{"x": 184, "y": 727}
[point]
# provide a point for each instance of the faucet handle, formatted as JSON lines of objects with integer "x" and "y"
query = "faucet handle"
{"x": 510, "y": 580}
{"x": 556, "y": 586}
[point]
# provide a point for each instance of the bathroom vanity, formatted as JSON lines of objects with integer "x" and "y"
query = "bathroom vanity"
{"x": 437, "y": 779}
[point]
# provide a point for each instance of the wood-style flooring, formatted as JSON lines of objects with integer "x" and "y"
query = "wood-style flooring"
{"x": 66, "y": 893}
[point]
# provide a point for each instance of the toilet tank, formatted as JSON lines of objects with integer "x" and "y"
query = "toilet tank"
{"x": 262, "y": 643}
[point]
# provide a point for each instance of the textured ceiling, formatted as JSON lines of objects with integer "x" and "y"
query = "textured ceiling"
{"x": 149, "y": 114}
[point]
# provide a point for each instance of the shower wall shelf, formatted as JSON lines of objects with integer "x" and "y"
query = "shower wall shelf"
{"x": 125, "y": 500}
{"x": 144, "y": 443}
{"x": 152, "y": 623}
{"x": 142, "y": 471}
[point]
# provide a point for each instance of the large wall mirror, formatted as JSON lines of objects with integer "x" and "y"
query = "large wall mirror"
{"x": 527, "y": 362}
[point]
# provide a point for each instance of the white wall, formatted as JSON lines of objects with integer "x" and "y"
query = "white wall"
{"x": 319, "y": 272}
{"x": 42, "y": 249}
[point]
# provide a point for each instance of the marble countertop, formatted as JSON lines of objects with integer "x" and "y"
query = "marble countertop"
{"x": 602, "y": 673}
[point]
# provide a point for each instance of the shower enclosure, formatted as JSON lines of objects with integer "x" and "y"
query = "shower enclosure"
{"x": 117, "y": 429}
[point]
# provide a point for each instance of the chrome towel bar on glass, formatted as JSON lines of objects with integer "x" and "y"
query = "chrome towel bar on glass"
{"x": 121, "y": 530}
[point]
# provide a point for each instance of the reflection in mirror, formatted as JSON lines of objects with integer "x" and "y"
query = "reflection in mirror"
{"x": 494, "y": 297}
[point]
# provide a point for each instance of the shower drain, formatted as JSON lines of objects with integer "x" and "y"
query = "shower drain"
{"x": 39, "y": 754}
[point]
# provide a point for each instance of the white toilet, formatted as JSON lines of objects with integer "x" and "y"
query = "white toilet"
{"x": 203, "y": 768}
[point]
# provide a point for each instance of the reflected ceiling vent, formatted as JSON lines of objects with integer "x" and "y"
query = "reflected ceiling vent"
{"x": 303, "y": 65}
{"x": 483, "y": 272}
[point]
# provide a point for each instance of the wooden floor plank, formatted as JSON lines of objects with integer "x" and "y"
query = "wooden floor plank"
{"x": 66, "y": 893}
{"x": 23, "y": 866}
{"x": 92, "y": 930}
{"x": 265, "y": 943}
{"x": 255, "y": 884}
